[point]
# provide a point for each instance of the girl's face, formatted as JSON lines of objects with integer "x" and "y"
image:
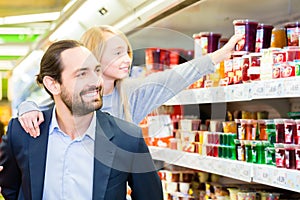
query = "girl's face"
{"x": 115, "y": 60}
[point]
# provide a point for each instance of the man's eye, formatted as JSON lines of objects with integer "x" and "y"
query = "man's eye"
{"x": 81, "y": 74}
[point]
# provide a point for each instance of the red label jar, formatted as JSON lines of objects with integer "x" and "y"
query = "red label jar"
{"x": 292, "y": 33}
{"x": 209, "y": 42}
{"x": 279, "y": 155}
{"x": 263, "y": 37}
{"x": 237, "y": 66}
{"x": 290, "y": 156}
{"x": 248, "y": 28}
{"x": 280, "y": 135}
{"x": 254, "y": 68}
{"x": 245, "y": 67}
{"x": 290, "y": 131}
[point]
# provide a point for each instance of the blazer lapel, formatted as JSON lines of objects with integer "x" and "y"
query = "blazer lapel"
{"x": 37, "y": 157}
{"x": 104, "y": 156}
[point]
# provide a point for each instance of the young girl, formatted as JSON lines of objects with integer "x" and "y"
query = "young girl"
{"x": 128, "y": 98}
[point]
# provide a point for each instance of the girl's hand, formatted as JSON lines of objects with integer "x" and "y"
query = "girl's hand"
{"x": 226, "y": 51}
{"x": 30, "y": 122}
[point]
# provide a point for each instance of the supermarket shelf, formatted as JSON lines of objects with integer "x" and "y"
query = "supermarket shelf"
{"x": 225, "y": 167}
{"x": 264, "y": 174}
{"x": 274, "y": 88}
{"x": 278, "y": 177}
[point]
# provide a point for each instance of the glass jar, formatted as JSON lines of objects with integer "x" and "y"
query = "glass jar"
{"x": 254, "y": 68}
{"x": 290, "y": 156}
{"x": 248, "y": 151}
{"x": 245, "y": 68}
{"x": 290, "y": 131}
{"x": 263, "y": 36}
{"x": 280, "y": 135}
{"x": 248, "y": 28}
{"x": 292, "y": 33}
{"x": 271, "y": 131}
{"x": 209, "y": 42}
{"x": 270, "y": 156}
{"x": 261, "y": 126}
{"x": 279, "y": 155}
{"x": 240, "y": 150}
{"x": 278, "y": 39}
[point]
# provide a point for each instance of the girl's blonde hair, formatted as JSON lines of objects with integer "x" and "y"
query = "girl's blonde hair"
{"x": 94, "y": 40}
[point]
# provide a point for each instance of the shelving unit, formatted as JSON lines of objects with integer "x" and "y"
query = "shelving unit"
{"x": 253, "y": 173}
{"x": 225, "y": 167}
{"x": 264, "y": 174}
{"x": 268, "y": 89}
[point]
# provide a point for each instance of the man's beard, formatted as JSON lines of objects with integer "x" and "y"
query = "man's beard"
{"x": 77, "y": 105}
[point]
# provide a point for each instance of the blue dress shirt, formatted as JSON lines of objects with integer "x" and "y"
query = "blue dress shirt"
{"x": 69, "y": 164}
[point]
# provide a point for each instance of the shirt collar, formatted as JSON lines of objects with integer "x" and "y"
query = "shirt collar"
{"x": 89, "y": 132}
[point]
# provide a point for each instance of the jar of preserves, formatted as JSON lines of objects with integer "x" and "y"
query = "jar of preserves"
{"x": 290, "y": 156}
{"x": 279, "y": 155}
{"x": 263, "y": 36}
{"x": 290, "y": 131}
{"x": 292, "y": 33}
{"x": 248, "y": 28}
{"x": 271, "y": 131}
{"x": 209, "y": 42}
{"x": 278, "y": 39}
{"x": 280, "y": 135}
{"x": 254, "y": 68}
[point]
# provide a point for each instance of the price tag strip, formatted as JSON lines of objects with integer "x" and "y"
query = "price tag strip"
{"x": 277, "y": 177}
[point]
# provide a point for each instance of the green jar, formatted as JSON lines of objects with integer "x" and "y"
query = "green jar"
{"x": 232, "y": 152}
{"x": 271, "y": 131}
{"x": 248, "y": 151}
{"x": 261, "y": 151}
{"x": 270, "y": 156}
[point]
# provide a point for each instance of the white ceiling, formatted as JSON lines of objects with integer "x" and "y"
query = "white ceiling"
{"x": 177, "y": 29}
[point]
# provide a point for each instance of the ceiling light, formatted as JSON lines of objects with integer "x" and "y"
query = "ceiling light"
{"x": 29, "y": 18}
{"x": 14, "y": 50}
{"x": 21, "y": 30}
{"x": 103, "y": 11}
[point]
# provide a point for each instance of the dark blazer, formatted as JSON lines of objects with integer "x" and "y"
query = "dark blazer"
{"x": 120, "y": 155}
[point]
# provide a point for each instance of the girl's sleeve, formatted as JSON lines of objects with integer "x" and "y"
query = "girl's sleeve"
{"x": 152, "y": 91}
{"x": 27, "y": 106}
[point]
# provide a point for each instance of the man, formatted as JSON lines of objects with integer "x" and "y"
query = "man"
{"x": 82, "y": 153}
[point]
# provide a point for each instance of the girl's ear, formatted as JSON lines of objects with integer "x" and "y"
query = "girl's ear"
{"x": 52, "y": 85}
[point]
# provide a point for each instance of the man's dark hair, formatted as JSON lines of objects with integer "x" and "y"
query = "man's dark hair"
{"x": 51, "y": 63}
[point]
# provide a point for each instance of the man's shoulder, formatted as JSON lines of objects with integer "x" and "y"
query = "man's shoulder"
{"x": 119, "y": 120}
{"x": 121, "y": 124}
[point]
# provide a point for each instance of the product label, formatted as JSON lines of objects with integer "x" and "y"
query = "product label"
{"x": 279, "y": 158}
{"x": 204, "y": 45}
{"x": 259, "y": 40}
{"x": 240, "y": 152}
{"x": 240, "y": 30}
{"x": 293, "y": 36}
{"x": 253, "y": 70}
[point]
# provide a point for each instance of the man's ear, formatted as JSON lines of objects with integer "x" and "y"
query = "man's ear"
{"x": 52, "y": 85}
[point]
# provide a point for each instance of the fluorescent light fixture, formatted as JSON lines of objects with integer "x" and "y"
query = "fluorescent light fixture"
{"x": 21, "y": 30}
{"x": 51, "y": 16}
{"x": 14, "y": 50}
{"x": 6, "y": 65}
